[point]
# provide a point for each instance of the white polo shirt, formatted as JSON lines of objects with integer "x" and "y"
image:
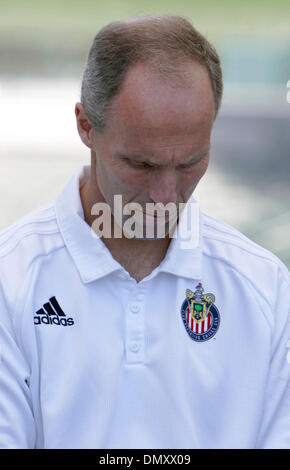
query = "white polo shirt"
{"x": 193, "y": 356}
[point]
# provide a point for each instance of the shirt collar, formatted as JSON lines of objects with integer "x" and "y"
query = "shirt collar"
{"x": 184, "y": 255}
{"x": 91, "y": 256}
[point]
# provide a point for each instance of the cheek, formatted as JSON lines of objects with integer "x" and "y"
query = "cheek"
{"x": 201, "y": 169}
{"x": 132, "y": 182}
{"x": 188, "y": 181}
{"x": 119, "y": 180}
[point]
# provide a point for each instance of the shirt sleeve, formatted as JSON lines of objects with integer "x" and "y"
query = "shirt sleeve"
{"x": 17, "y": 427}
{"x": 275, "y": 427}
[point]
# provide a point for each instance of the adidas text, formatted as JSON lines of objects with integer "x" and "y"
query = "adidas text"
{"x": 53, "y": 320}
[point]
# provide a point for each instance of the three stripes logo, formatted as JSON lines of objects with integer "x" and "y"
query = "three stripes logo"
{"x": 52, "y": 314}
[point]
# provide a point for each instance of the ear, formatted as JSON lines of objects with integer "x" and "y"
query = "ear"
{"x": 84, "y": 126}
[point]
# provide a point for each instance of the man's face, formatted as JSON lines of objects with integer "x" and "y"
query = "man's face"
{"x": 155, "y": 146}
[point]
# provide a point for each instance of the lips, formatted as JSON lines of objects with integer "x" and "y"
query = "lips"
{"x": 153, "y": 214}
{"x": 157, "y": 217}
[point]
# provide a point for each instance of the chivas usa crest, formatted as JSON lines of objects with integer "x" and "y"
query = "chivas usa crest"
{"x": 200, "y": 316}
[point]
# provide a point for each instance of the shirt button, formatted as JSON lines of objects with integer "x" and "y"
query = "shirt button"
{"x": 135, "y": 308}
{"x": 134, "y": 347}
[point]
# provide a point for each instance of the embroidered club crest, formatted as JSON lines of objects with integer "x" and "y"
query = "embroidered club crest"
{"x": 200, "y": 316}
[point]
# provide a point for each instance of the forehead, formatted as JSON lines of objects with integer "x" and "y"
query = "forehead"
{"x": 153, "y": 105}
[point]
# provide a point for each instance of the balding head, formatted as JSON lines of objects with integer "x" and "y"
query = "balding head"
{"x": 161, "y": 43}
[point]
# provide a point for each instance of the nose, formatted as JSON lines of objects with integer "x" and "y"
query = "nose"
{"x": 163, "y": 186}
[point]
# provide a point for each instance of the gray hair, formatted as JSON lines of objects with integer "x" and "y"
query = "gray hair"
{"x": 161, "y": 41}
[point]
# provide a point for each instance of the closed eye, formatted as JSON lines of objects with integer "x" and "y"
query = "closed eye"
{"x": 187, "y": 165}
{"x": 192, "y": 162}
{"x": 140, "y": 165}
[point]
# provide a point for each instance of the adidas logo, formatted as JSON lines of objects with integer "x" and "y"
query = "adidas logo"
{"x": 52, "y": 314}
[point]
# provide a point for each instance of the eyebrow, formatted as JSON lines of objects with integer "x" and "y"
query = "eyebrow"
{"x": 142, "y": 159}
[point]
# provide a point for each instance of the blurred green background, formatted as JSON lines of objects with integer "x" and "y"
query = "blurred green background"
{"x": 43, "y": 49}
{"x": 68, "y": 26}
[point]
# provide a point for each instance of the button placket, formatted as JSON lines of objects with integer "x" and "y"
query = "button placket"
{"x": 135, "y": 330}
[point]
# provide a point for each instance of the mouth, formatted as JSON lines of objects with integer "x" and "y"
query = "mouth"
{"x": 165, "y": 218}
{"x": 157, "y": 216}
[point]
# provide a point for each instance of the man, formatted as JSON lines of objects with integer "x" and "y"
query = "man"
{"x": 136, "y": 341}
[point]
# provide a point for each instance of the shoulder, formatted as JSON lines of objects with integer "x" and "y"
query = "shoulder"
{"x": 36, "y": 234}
{"x": 229, "y": 249}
